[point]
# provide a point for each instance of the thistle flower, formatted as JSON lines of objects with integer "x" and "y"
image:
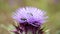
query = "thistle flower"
{"x": 30, "y": 19}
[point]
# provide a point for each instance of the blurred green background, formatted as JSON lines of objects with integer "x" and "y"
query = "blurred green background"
{"x": 51, "y": 6}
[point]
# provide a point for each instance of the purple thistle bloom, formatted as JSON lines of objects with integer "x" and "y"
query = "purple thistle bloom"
{"x": 30, "y": 19}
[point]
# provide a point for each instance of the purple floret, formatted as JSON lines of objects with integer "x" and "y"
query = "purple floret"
{"x": 30, "y": 19}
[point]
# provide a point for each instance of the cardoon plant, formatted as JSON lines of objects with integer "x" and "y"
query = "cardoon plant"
{"x": 30, "y": 20}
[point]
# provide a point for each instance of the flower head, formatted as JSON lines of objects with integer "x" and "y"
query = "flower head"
{"x": 29, "y": 18}
{"x": 31, "y": 15}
